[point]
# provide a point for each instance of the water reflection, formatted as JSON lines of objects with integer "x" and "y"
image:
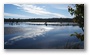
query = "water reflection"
{"x": 40, "y": 23}
{"x": 29, "y": 35}
{"x": 32, "y": 33}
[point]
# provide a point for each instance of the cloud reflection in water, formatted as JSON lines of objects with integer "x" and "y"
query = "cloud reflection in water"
{"x": 34, "y": 32}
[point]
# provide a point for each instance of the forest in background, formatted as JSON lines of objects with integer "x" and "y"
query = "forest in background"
{"x": 38, "y": 20}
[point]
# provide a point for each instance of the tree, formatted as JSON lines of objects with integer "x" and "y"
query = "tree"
{"x": 78, "y": 12}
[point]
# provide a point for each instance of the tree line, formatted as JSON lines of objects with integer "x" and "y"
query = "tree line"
{"x": 38, "y": 20}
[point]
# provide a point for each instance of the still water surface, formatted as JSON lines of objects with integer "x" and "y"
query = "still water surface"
{"x": 30, "y": 36}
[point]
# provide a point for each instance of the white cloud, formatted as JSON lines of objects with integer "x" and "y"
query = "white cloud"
{"x": 37, "y": 10}
{"x": 15, "y": 15}
{"x": 32, "y": 9}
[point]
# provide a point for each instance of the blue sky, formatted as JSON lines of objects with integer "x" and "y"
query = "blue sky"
{"x": 36, "y": 11}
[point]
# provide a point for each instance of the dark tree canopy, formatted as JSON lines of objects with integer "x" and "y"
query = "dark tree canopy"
{"x": 78, "y": 12}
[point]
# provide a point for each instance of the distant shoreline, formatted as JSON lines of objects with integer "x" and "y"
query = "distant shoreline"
{"x": 39, "y": 20}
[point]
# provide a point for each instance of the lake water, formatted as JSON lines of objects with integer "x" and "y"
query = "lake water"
{"x": 32, "y": 35}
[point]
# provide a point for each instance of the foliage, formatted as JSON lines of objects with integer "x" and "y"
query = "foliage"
{"x": 78, "y": 12}
{"x": 78, "y": 35}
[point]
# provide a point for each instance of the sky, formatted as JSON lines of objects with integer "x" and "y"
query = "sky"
{"x": 36, "y": 11}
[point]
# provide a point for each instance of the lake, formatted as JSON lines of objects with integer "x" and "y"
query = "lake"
{"x": 38, "y": 35}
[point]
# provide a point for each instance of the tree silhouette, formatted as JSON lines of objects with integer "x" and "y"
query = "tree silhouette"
{"x": 78, "y": 12}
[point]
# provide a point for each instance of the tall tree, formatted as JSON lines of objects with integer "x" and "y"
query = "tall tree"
{"x": 78, "y": 12}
